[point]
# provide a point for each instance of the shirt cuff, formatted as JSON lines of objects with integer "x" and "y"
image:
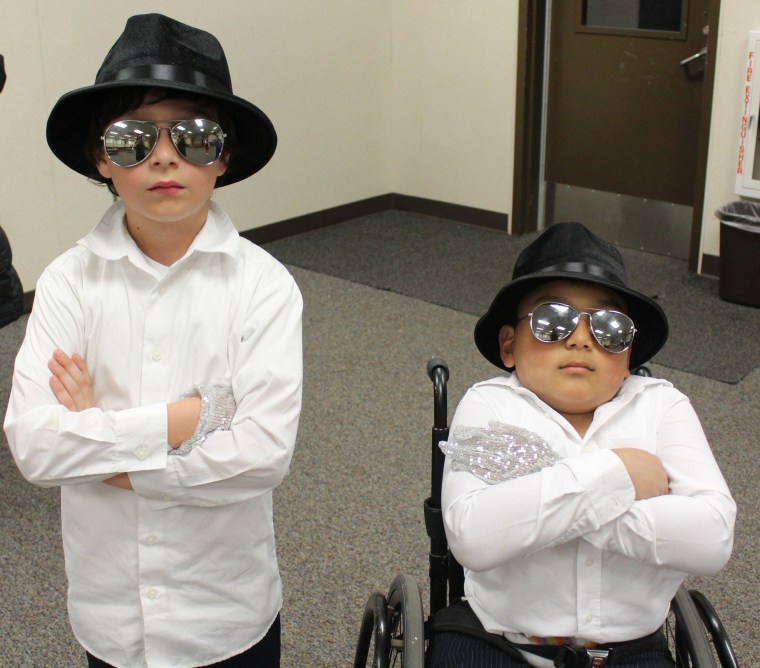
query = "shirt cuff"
{"x": 161, "y": 489}
{"x": 143, "y": 431}
{"x": 604, "y": 477}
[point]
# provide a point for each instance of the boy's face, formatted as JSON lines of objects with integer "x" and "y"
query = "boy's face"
{"x": 575, "y": 375}
{"x": 165, "y": 188}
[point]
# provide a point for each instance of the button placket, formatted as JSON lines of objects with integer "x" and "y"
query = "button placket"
{"x": 157, "y": 333}
{"x": 589, "y": 574}
{"x": 151, "y": 561}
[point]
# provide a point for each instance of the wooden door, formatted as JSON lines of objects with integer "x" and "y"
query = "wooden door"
{"x": 624, "y": 104}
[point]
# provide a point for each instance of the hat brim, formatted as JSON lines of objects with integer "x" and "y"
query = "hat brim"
{"x": 69, "y": 124}
{"x": 650, "y": 320}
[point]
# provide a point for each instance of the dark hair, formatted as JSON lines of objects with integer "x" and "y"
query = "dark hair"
{"x": 119, "y": 101}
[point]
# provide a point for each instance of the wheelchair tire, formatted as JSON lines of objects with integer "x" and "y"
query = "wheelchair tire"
{"x": 690, "y": 638}
{"x": 406, "y": 624}
{"x": 720, "y": 640}
{"x": 373, "y": 633}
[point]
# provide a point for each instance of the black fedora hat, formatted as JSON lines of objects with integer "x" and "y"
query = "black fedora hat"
{"x": 155, "y": 51}
{"x": 570, "y": 251}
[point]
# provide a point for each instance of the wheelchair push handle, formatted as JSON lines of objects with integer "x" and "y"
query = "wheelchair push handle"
{"x": 434, "y": 365}
{"x": 438, "y": 371}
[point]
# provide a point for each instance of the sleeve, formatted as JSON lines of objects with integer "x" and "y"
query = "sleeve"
{"x": 253, "y": 456}
{"x": 690, "y": 529}
{"x": 51, "y": 445}
{"x": 487, "y": 525}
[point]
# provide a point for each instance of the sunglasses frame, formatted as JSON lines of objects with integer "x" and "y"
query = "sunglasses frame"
{"x": 591, "y": 312}
{"x": 170, "y": 125}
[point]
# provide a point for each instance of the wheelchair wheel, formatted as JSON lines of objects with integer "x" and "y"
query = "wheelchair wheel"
{"x": 687, "y": 635}
{"x": 406, "y": 624}
{"x": 393, "y": 628}
{"x": 373, "y": 633}
{"x": 720, "y": 640}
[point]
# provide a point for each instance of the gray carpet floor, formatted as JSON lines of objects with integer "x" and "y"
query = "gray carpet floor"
{"x": 382, "y": 295}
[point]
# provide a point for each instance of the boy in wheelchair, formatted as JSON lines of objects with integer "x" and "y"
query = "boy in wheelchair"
{"x": 576, "y": 495}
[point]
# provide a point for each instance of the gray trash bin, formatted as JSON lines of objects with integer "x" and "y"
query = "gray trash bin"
{"x": 740, "y": 252}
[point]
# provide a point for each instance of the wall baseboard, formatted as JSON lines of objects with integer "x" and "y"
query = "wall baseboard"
{"x": 710, "y": 265}
{"x": 366, "y": 207}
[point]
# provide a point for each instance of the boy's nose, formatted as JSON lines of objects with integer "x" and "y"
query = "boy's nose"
{"x": 581, "y": 335}
{"x": 164, "y": 150}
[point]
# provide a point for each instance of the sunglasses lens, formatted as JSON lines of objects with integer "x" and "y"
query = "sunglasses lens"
{"x": 553, "y": 322}
{"x": 128, "y": 143}
{"x": 614, "y": 331}
{"x": 199, "y": 140}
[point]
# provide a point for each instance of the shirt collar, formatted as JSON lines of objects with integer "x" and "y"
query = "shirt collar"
{"x": 110, "y": 240}
{"x": 631, "y": 387}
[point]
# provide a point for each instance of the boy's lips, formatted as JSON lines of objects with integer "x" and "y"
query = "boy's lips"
{"x": 166, "y": 187}
{"x": 577, "y": 365}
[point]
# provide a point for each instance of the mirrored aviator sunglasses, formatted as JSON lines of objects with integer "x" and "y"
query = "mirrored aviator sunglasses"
{"x": 198, "y": 140}
{"x": 551, "y": 322}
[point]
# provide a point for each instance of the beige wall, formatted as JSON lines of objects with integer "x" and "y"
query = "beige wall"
{"x": 368, "y": 97}
{"x": 454, "y": 81}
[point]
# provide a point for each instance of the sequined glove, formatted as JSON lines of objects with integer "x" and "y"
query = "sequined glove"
{"x": 217, "y": 410}
{"x": 497, "y": 453}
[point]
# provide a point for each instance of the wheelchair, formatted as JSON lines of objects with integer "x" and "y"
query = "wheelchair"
{"x": 395, "y": 633}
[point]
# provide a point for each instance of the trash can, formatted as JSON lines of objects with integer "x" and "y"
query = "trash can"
{"x": 740, "y": 252}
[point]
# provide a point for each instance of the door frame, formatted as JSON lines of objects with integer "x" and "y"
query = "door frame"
{"x": 528, "y": 187}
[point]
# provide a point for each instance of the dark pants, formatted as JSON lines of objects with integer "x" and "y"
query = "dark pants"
{"x": 456, "y": 650}
{"x": 264, "y": 654}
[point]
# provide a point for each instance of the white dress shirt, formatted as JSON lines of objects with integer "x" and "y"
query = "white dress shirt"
{"x": 567, "y": 551}
{"x": 181, "y": 571}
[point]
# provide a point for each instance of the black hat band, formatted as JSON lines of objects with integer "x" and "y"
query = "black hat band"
{"x": 582, "y": 268}
{"x": 171, "y": 73}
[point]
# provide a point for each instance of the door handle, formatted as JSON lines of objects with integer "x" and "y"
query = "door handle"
{"x": 702, "y": 53}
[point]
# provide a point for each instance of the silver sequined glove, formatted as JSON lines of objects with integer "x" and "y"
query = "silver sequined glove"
{"x": 217, "y": 410}
{"x": 497, "y": 453}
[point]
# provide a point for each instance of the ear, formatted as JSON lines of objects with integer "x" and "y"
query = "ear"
{"x": 223, "y": 162}
{"x": 103, "y": 163}
{"x": 506, "y": 345}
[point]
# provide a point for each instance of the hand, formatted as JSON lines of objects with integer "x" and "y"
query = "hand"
{"x": 182, "y": 417}
{"x": 71, "y": 382}
{"x": 72, "y": 386}
{"x": 646, "y": 472}
{"x": 120, "y": 480}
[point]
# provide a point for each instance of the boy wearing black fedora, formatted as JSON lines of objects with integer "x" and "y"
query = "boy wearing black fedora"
{"x": 576, "y": 495}
{"x": 159, "y": 383}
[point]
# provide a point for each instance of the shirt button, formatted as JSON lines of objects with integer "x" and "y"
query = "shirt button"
{"x": 152, "y": 594}
{"x": 142, "y": 452}
{"x": 589, "y": 562}
{"x": 157, "y": 354}
{"x": 151, "y": 540}
{"x": 589, "y": 618}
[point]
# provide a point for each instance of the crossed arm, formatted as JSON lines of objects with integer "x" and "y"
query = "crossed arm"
{"x": 659, "y": 499}
{"x": 72, "y": 386}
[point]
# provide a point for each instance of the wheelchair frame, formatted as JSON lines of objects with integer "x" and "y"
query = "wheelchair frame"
{"x": 394, "y": 625}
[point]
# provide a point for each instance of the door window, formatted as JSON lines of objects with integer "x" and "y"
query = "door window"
{"x": 652, "y": 17}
